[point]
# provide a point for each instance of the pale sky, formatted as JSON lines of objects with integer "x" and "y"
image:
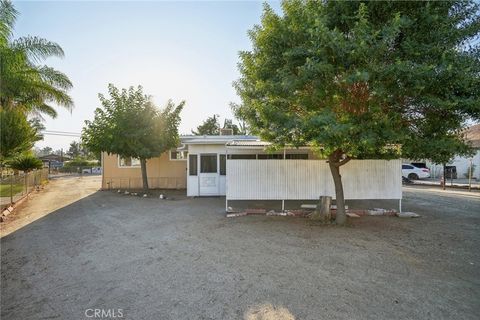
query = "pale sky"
{"x": 175, "y": 50}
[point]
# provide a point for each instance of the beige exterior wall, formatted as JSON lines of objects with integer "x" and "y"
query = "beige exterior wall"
{"x": 162, "y": 173}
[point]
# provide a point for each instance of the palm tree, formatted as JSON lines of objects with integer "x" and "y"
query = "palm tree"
{"x": 24, "y": 84}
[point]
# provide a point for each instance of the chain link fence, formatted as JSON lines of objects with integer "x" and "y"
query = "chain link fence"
{"x": 137, "y": 183}
{"x": 74, "y": 170}
{"x": 16, "y": 186}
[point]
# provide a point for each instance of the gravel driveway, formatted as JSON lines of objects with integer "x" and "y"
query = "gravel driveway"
{"x": 182, "y": 259}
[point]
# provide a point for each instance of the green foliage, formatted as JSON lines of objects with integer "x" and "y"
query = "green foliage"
{"x": 25, "y": 85}
{"x": 351, "y": 78}
{"x": 210, "y": 126}
{"x": 26, "y": 162}
{"x": 78, "y": 150}
{"x": 17, "y": 135}
{"x": 74, "y": 150}
{"x": 129, "y": 124}
{"x": 358, "y": 79}
{"x": 80, "y": 162}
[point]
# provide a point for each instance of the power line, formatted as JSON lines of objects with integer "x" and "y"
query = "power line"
{"x": 61, "y": 133}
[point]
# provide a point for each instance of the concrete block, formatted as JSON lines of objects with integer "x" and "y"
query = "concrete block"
{"x": 352, "y": 215}
{"x": 407, "y": 215}
{"x": 237, "y": 214}
{"x": 255, "y": 211}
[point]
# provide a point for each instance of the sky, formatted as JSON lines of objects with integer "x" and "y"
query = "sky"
{"x": 175, "y": 50}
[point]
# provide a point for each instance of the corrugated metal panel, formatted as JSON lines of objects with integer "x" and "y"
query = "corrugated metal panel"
{"x": 308, "y": 179}
{"x": 247, "y": 143}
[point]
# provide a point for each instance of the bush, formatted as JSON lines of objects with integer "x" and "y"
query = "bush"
{"x": 26, "y": 163}
{"x": 79, "y": 162}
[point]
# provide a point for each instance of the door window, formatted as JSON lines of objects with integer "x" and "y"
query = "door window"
{"x": 223, "y": 165}
{"x": 208, "y": 163}
{"x": 192, "y": 164}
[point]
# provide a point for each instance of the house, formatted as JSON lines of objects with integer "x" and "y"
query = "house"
{"x": 461, "y": 163}
{"x": 53, "y": 160}
{"x": 244, "y": 168}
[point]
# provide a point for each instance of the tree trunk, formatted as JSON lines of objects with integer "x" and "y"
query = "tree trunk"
{"x": 143, "y": 166}
{"x": 334, "y": 162}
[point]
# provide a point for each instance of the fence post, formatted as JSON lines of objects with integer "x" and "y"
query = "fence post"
{"x": 11, "y": 189}
{"x": 26, "y": 183}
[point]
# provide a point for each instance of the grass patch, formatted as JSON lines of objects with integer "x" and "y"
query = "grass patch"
{"x": 5, "y": 189}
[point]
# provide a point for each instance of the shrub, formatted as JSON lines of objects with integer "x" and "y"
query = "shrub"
{"x": 26, "y": 163}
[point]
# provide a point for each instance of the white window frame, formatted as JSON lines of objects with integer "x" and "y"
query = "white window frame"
{"x": 127, "y": 167}
{"x": 184, "y": 153}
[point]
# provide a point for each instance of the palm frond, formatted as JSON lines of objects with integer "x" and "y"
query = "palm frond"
{"x": 55, "y": 77}
{"x": 8, "y": 16}
{"x": 37, "y": 48}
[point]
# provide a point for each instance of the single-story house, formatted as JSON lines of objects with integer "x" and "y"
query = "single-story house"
{"x": 243, "y": 168}
{"x": 53, "y": 160}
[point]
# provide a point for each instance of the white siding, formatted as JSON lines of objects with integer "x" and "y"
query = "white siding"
{"x": 309, "y": 179}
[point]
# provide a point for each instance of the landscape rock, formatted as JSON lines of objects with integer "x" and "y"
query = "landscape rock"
{"x": 407, "y": 215}
{"x": 237, "y": 214}
{"x": 352, "y": 215}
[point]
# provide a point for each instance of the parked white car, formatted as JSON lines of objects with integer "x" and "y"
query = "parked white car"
{"x": 413, "y": 173}
{"x": 94, "y": 170}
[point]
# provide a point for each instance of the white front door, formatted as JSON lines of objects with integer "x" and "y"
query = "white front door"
{"x": 209, "y": 176}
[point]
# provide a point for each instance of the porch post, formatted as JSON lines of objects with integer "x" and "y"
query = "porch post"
{"x": 226, "y": 178}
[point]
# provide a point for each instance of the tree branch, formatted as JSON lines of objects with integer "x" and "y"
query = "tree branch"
{"x": 342, "y": 162}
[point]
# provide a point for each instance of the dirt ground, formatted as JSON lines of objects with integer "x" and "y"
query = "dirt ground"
{"x": 57, "y": 194}
{"x": 182, "y": 259}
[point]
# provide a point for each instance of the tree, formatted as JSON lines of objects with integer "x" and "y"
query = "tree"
{"x": 26, "y": 162}
{"x": 46, "y": 150}
{"x": 25, "y": 85}
{"x": 17, "y": 134}
{"x": 210, "y": 126}
{"x": 75, "y": 150}
{"x": 129, "y": 125}
{"x": 228, "y": 124}
{"x": 357, "y": 80}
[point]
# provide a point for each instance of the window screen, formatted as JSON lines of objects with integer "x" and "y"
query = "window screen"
{"x": 242, "y": 156}
{"x": 270, "y": 156}
{"x": 208, "y": 163}
{"x": 303, "y": 156}
{"x": 129, "y": 162}
{"x": 223, "y": 165}
{"x": 178, "y": 155}
{"x": 192, "y": 164}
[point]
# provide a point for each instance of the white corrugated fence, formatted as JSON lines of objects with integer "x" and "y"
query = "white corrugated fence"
{"x": 309, "y": 179}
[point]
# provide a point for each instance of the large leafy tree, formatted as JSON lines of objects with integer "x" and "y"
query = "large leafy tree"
{"x": 356, "y": 79}
{"x": 25, "y": 84}
{"x": 130, "y": 125}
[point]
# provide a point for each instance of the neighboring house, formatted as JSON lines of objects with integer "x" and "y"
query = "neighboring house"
{"x": 462, "y": 164}
{"x": 472, "y": 135}
{"x": 243, "y": 168}
{"x": 53, "y": 160}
